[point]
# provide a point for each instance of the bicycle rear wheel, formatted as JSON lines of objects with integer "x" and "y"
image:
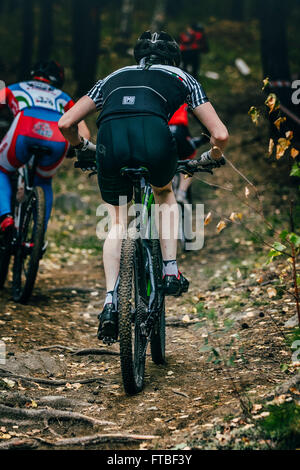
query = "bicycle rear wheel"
{"x": 29, "y": 246}
{"x": 131, "y": 314}
{"x": 158, "y": 336}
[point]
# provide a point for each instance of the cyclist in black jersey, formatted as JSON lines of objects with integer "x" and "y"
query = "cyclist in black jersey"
{"x": 136, "y": 103}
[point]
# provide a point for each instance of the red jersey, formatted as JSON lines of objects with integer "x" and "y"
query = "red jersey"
{"x": 180, "y": 117}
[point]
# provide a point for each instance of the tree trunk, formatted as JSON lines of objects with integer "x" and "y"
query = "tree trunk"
{"x": 122, "y": 43}
{"x": 275, "y": 63}
{"x": 46, "y": 30}
{"x": 273, "y": 40}
{"x": 27, "y": 38}
{"x": 159, "y": 15}
{"x": 86, "y": 33}
{"x": 126, "y": 18}
{"x": 237, "y": 10}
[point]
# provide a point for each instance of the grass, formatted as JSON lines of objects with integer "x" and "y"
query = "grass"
{"x": 282, "y": 425}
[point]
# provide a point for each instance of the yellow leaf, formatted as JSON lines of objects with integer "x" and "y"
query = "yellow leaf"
{"x": 5, "y": 436}
{"x": 271, "y": 147}
{"x": 265, "y": 83}
{"x": 221, "y": 225}
{"x": 272, "y": 292}
{"x": 272, "y": 102}
{"x": 279, "y": 121}
{"x": 254, "y": 114}
{"x": 289, "y": 135}
{"x": 294, "y": 153}
{"x": 282, "y": 146}
{"x": 208, "y": 219}
{"x": 236, "y": 216}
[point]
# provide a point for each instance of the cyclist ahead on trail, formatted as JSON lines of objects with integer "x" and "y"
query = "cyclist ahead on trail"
{"x": 186, "y": 147}
{"x": 37, "y": 105}
{"x": 136, "y": 103}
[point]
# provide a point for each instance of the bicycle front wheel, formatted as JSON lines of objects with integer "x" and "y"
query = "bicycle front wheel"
{"x": 29, "y": 246}
{"x": 131, "y": 315}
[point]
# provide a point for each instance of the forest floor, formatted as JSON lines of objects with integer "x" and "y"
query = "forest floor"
{"x": 228, "y": 352}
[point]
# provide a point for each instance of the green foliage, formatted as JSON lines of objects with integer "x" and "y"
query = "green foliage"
{"x": 283, "y": 425}
{"x": 295, "y": 170}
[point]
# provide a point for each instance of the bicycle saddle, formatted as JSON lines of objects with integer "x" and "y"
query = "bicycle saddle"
{"x": 39, "y": 150}
{"x": 135, "y": 174}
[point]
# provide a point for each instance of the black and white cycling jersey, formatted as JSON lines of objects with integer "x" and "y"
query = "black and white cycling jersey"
{"x": 134, "y": 90}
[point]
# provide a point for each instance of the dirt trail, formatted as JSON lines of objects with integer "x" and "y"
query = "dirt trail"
{"x": 180, "y": 399}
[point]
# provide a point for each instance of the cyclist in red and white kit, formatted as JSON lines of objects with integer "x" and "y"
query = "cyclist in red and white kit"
{"x": 36, "y": 105}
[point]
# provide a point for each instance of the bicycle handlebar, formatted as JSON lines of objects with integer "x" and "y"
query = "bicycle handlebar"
{"x": 189, "y": 167}
{"x": 87, "y": 162}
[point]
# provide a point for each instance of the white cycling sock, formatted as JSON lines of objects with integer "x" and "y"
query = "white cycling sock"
{"x": 109, "y": 297}
{"x": 170, "y": 268}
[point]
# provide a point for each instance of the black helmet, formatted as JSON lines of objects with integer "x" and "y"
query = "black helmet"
{"x": 51, "y": 71}
{"x": 160, "y": 44}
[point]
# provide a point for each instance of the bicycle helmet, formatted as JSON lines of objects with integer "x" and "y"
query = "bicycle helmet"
{"x": 49, "y": 71}
{"x": 160, "y": 45}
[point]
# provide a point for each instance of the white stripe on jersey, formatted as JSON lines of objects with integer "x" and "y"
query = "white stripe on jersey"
{"x": 195, "y": 97}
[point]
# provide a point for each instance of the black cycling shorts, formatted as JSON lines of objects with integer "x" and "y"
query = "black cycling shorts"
{"x": 134, "y": 141}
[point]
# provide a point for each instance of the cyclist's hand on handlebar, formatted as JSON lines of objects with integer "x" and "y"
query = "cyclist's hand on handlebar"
{"x": 86, "y": 155}
{"x": 206, "y": 159}
{"x": 86, "y": 160}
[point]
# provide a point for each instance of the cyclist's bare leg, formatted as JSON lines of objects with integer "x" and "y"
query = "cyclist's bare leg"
{"x": 185, "y": 183}
{"x": 112, "y": 244}
{"x": 167, "y": 220}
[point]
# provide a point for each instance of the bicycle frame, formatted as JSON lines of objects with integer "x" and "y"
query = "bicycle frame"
{"x": 25, "y": 178}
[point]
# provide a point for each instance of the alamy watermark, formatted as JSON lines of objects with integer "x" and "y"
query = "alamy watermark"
{"x": 296, "y": 353}
{"x": 2, "y": 353}
{"x": 296, "y": 94}
{"x": 160, "y": 221}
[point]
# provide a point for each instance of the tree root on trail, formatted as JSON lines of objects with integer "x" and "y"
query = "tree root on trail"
{"x": 180, "y": 324}
{"x": 18, "y": 443}
{"x": 47, "y": 414}
{"x": 80, "y": 352}
{"x": 55, "y": 401}
{"x": 4, "y": 373}
{"x": 97, "y": 439}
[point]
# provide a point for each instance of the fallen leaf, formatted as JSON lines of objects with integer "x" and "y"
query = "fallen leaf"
{"x": 221, "y": 225}
{"x": 208, "y": 219}
{"x": 272, "y": 292}
{"x": 247, "y": 192}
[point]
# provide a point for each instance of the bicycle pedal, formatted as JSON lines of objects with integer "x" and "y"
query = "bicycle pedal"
{"x": 109, "y": 341}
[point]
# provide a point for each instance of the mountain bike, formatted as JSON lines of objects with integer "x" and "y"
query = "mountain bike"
{"x": 138, "y": 295}
{"x": 26, "y": 243}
